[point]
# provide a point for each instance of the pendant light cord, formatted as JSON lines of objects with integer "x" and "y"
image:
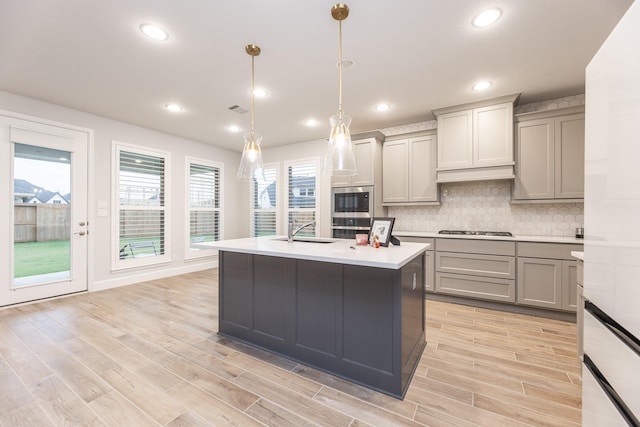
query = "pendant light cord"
{"x": 252, "y": 92}
{"x": 340, "y": 70}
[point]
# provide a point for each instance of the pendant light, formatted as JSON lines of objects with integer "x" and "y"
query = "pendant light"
{"x": 251, "y": 162}
{"x": 340, "y": 159}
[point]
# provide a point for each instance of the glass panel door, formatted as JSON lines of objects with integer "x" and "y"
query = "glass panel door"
{"x": 44, "y": 244}
{"x": 42, "y": 215}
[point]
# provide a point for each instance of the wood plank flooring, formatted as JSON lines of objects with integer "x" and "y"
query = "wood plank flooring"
{"x": 148, "y": 355}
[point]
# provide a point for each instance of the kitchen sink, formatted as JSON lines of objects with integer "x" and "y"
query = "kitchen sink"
{"x": 307, "y": 239}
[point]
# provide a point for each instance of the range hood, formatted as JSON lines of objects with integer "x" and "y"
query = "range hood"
{"x": 476, "y": 174}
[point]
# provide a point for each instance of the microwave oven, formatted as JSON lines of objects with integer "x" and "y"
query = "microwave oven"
{"x": 352, "y": 202}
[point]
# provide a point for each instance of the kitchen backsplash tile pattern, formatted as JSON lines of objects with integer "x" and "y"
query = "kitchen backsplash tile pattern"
{"x": 484, "y": 205}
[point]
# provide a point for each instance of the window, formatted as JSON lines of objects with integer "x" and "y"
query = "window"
{"x": 264, "y": 196}
{"x": 141, "y": 205}
{"x": 302, "y": 184}
{"x": 204, "y": 195}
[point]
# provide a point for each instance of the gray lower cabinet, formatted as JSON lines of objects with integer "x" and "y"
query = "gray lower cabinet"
{"x": 429, "y": 260}
{"x": 547, "y": 276}
{"x": 479, "y": 269}
{"x": 361, "y": 323}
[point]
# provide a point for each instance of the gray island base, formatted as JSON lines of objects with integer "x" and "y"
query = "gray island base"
{"x": 362, "y": 323}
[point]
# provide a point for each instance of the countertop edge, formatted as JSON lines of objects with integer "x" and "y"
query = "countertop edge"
{"x": 516, "y": 238}
{"x": 343, "y": 253}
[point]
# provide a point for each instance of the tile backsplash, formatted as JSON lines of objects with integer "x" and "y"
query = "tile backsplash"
{"x": 484, "y": 205}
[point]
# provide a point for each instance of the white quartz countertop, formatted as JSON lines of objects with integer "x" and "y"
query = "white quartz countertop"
{"x": 577, "y": 254}
{"x": 341, "y": 251}
{"x": 542, "y": 239}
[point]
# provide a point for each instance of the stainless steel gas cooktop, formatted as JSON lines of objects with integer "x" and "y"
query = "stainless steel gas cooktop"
{"x": 476, "y": 233}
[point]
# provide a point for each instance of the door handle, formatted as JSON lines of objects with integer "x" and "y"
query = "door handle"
{"x": 81, "y": 223}
{"x": 81, "y": 233}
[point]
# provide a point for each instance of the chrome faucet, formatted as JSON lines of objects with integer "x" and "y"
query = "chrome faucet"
{"x": 291, "y": 233}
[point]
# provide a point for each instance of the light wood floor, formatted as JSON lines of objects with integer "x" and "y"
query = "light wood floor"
{"x": 148, "y": 355}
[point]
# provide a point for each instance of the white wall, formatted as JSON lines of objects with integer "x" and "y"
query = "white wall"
{"x": 235, "y": 202}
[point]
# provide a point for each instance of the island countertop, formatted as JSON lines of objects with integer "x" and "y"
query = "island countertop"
{"x": 342, "y": 251}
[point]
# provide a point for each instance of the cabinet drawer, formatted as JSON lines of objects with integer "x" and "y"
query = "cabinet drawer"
{"x": 548, "y": 250}
{"x": 472, "y": 246}
{"x": 478, "y": 265}
{"x": 476, "y": 287}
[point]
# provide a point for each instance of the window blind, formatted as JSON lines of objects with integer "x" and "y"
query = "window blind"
{"x": 301, "y": 195}
{"x": 204, "y": 204}
{"x": 263, "y": 203}
{"x": 142, "y": 210}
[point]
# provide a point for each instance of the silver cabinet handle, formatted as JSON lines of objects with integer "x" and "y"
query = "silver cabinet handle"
{"x": 414, "y": 281}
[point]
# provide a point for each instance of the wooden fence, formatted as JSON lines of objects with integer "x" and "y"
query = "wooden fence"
{"x": 41, "y": 222}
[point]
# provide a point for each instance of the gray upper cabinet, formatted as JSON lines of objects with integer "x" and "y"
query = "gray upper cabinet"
{"x": 409, "y": 170}
{"x": 368, "y": 153}
{"x": 475, "y": 141}
{"x": 550, "y": 156}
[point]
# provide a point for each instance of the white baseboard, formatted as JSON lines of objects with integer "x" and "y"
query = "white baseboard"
{"x": 150, "y": 275}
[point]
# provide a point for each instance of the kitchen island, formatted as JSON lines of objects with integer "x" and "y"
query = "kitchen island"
{"x": 354, "y": 311}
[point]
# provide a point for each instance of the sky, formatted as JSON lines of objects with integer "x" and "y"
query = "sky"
{"x": 51, "y": 176}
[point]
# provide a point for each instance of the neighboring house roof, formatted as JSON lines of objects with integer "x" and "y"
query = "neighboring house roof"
{"x": 24, "y": 189}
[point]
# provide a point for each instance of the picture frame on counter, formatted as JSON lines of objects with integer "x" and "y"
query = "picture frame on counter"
{"x": 381, "y": 228}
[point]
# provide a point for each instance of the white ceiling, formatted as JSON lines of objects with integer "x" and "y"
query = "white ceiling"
{"x": 414, "y": 54}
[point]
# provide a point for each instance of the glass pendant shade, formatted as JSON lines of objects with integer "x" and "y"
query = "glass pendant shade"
{"x": 340, "y": 158}
{"x": 251, "y": 162}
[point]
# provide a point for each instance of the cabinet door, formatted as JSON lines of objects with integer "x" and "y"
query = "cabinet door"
{"x": 395, "y": 175}
{"x": 422, "y": 169}
{"x": 569, "y": 157}
{"x": 429, "y": 271}
{"x": 364, "y": 152}
{"x": 569, "y": 285}
{"x": 455, "y": 135}
{"x": 535, "y": 159}
{"x": 493, "y": 135}
{"x": 539, "y": 282}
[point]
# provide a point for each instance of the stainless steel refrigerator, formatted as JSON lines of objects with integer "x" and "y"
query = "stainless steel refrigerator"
{"x": 611, "y": 365}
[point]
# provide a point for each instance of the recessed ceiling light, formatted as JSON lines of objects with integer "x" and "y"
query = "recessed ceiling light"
{"x": 174, "y": 108}
{"x": 482, "y": 85}
{"x": 487, "y": 17}
{"x": 233, "y": 128}
{"x": 259, "y": 92}
{"x": 383, "y": 107}
{"x": 154, "y": 32}
{"x": 311, "y": 122}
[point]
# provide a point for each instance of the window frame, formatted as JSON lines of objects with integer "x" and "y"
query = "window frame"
{"x": 121, "y": 264}
{"x": 315, "y": 161}
{"x": 188, "y": 252}
{"x": 276, "y": 208}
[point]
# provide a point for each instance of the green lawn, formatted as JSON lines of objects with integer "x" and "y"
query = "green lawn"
{"x": 33, "y": 258}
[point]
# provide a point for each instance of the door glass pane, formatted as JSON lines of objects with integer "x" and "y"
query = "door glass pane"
{"x": 42, "y": 215}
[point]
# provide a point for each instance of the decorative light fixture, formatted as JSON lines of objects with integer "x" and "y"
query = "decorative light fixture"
{"x": 340, "y": 159}
{"x": 251, "y": 162}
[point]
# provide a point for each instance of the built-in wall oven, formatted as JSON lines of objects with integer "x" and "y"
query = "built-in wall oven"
{"x": 351, "y": 211}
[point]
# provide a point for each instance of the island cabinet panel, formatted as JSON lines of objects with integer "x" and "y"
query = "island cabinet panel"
{"x": 365, "y": 324}
{"x": 367, "y": 301}
{"x": 271, "y": 297}
{"x": 236, "y": 298}
{"x": 319, "y": 308}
